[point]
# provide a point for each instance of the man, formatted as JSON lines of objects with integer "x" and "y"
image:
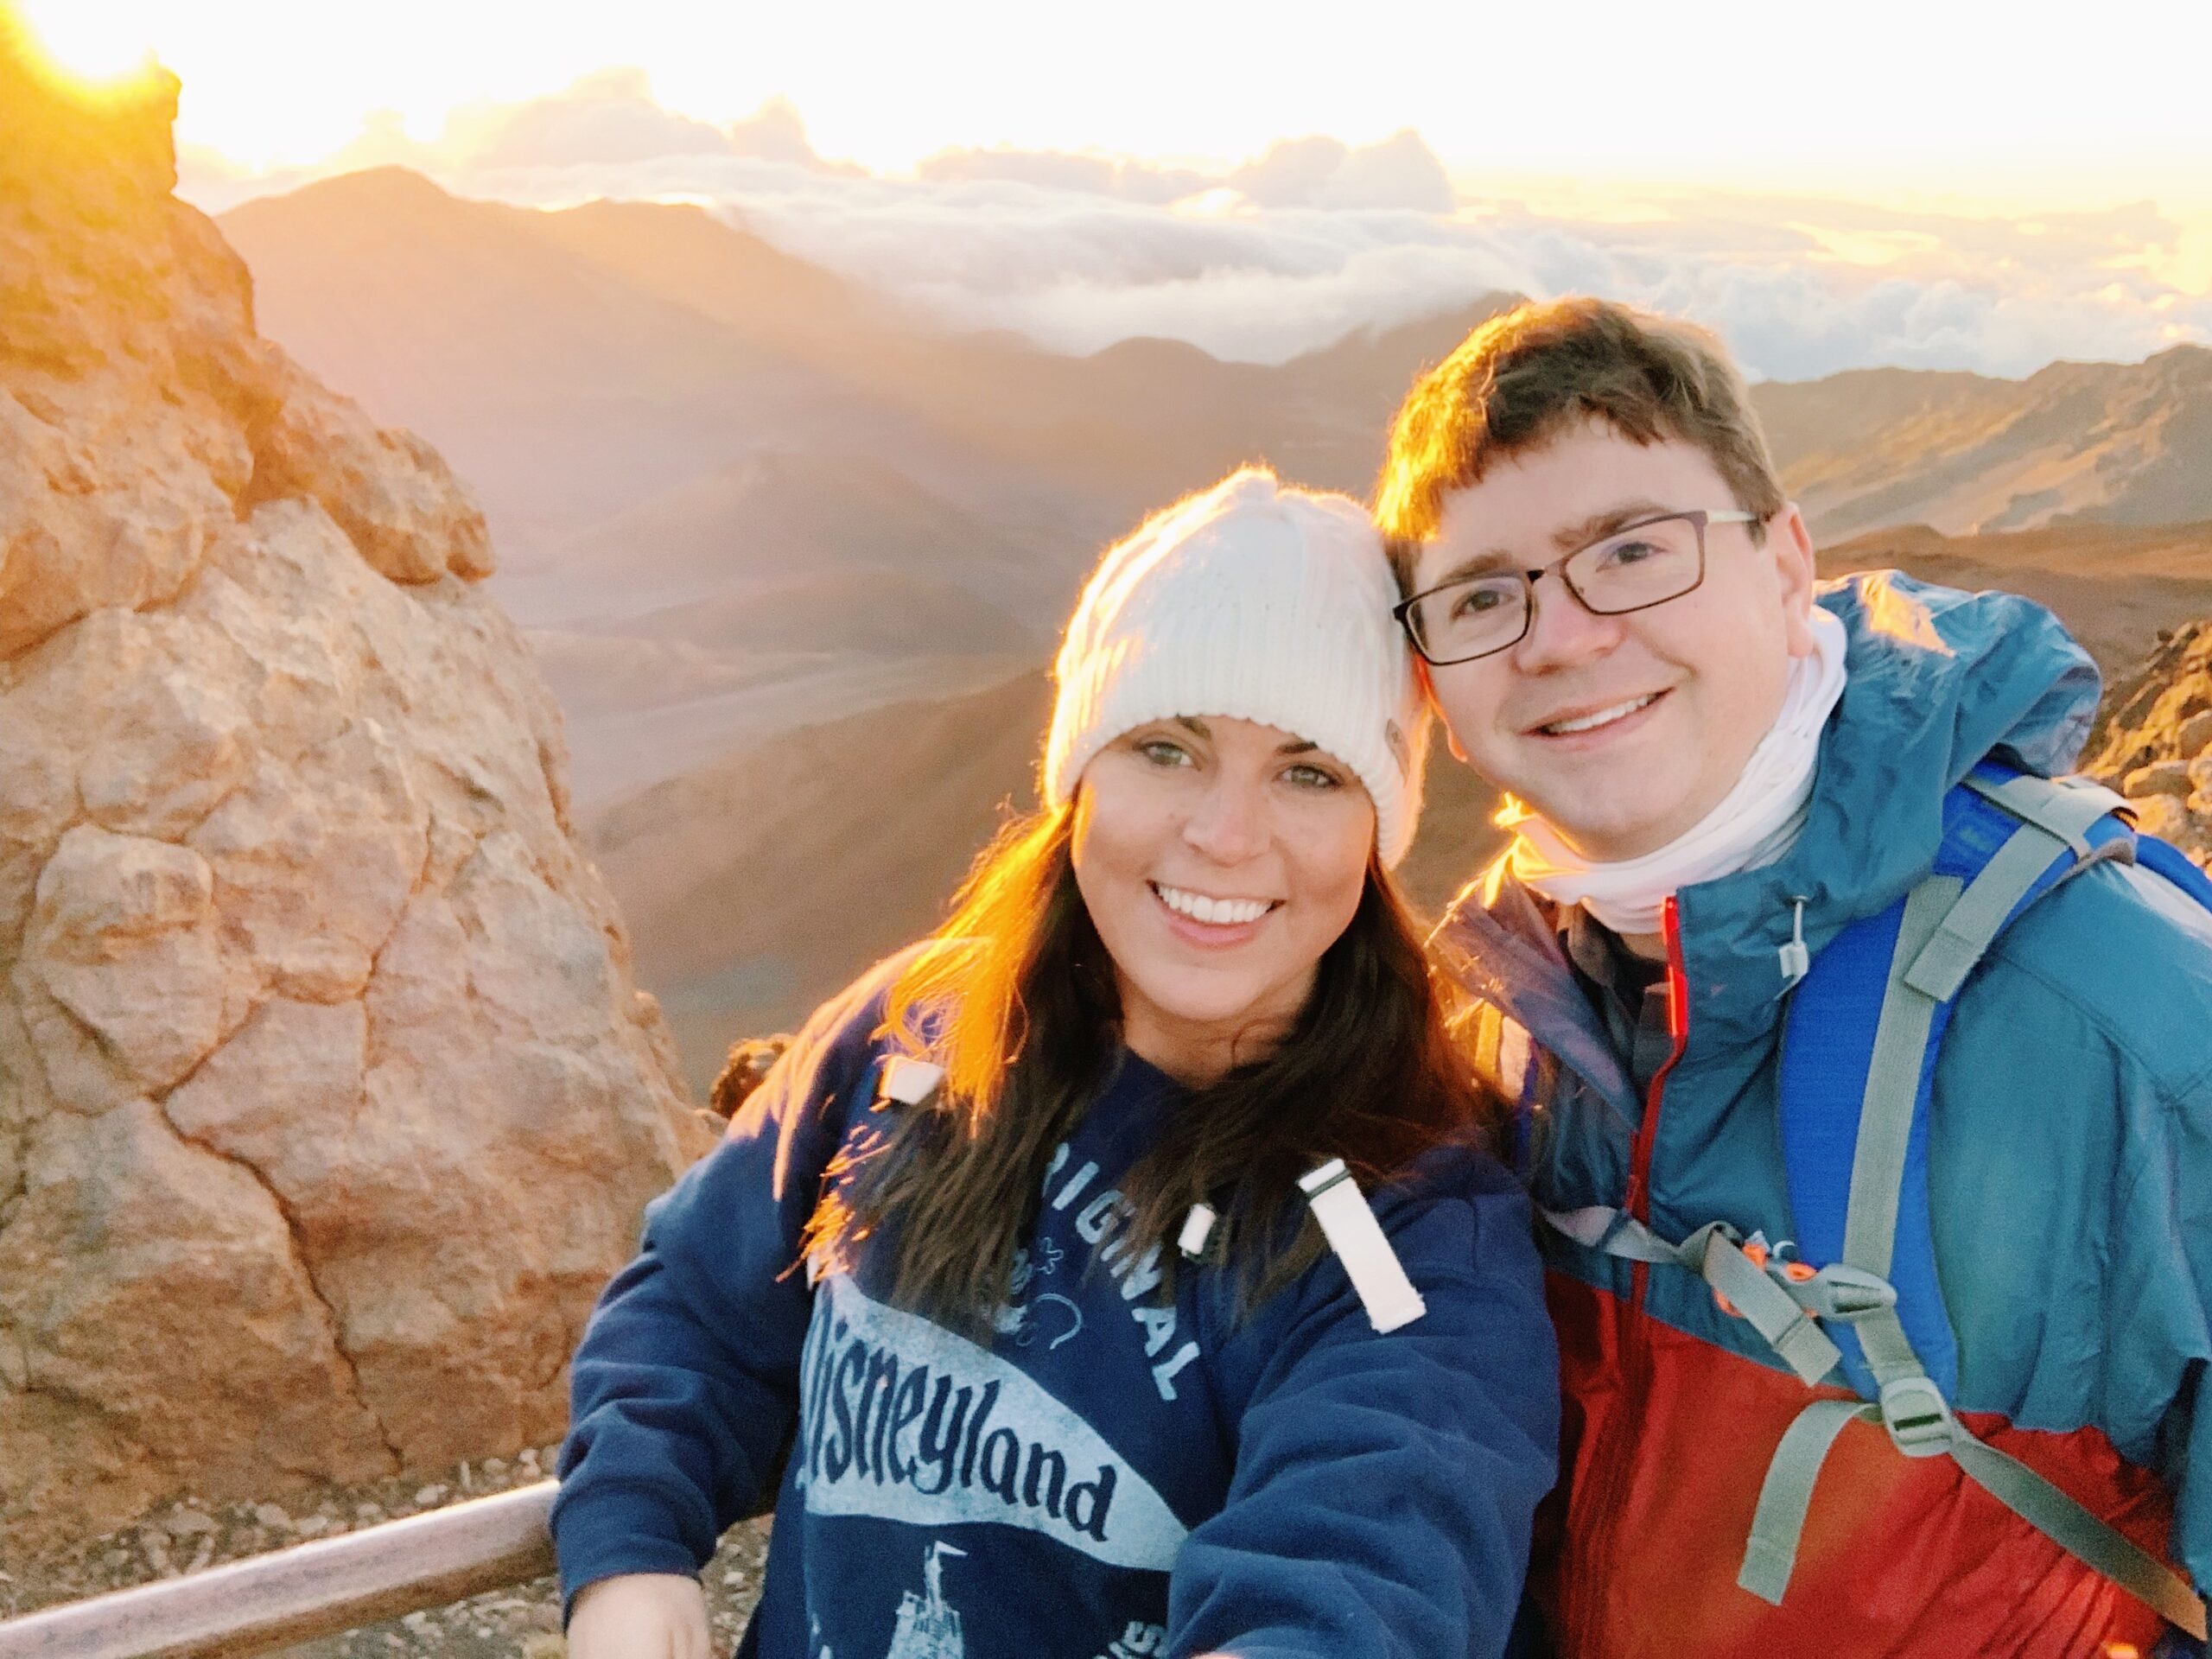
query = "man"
{"x": 1721, "y": 778}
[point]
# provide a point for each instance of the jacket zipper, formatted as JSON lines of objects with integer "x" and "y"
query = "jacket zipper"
{"x": 1634, "y": 1353}
{"x": 1638, "y": 1200}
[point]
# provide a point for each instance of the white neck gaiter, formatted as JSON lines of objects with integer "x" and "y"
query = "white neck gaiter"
{"x": 1755, "y": 824}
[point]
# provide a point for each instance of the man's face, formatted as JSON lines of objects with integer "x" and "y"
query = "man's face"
{"x": 1665, "y": 704}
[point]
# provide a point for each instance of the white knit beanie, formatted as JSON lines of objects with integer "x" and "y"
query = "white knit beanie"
{"x": 1253, "y": 601}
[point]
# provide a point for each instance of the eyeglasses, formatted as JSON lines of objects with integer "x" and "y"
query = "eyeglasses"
{"x": 1636, "y": 567}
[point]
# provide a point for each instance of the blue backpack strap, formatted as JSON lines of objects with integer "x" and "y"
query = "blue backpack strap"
{"x": 1860, "y": 1049}
{"x": 2162, "y": 858}
{"x": 1830, "y": 1036}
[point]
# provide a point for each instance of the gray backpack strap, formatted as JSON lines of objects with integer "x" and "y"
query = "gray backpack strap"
{"x": 1945, "y": 932}
{"x": 1782, "y": 1309}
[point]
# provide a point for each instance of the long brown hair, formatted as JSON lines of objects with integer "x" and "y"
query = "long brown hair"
{"x": 1015, "y": 997}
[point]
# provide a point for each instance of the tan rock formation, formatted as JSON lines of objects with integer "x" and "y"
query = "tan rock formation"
{"x": 2155, "y": 744}
{"x": 327, "y": 1102}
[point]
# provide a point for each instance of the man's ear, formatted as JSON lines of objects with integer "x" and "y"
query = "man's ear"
{"x": 1428, "y": 696}
{"x": 1790, "y": 545}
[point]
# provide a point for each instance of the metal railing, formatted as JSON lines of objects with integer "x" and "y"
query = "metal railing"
{"x": 326, "y": 1588}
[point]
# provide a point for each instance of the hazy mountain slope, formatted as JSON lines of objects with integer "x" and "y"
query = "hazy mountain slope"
{"x": 577, "y": 363}
{"x": 686, "y": 255}
{"x": 1370, "y": 371}
{"x": 1812, "y": 422}
{"x": 778, "y": 591}
{"x": 564, "y": 389}
{"x": 759, "y": 885}
{"x": 774, "y": 519}
{"x": 2116, "y": 587}
{"x": 2115, "y": 443}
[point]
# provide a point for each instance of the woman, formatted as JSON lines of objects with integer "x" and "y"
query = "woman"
{"x": 1010, "y": 1263}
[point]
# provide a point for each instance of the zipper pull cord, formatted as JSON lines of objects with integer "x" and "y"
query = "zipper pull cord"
{"x": 1796, "y": 960}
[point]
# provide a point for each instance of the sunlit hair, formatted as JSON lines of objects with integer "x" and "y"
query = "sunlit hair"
{"x": 1523, "y": 378}
{"x": 1015, "y": 997}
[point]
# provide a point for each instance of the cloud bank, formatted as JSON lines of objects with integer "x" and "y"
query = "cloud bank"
{"x": 1315, "y": 238}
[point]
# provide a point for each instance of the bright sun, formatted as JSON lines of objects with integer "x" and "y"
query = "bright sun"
{"x": 93, "y": 40}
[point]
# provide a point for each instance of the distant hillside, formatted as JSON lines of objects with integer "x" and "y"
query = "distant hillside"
{"x": 564, "y": 385}
{"x": 771, "y": 519}
{"x": 2116, "y": 587}
{"x": 519, "y": 339}
{"x": 2104, "y": 442}
{"x": 757, "y": 886}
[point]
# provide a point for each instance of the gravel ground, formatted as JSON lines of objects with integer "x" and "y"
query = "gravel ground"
{"x": 521, "y": 1622}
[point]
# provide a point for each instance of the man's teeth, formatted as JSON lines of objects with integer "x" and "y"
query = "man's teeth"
{"x": 1222, "y": 912}
{"x": 1587, "y": 722}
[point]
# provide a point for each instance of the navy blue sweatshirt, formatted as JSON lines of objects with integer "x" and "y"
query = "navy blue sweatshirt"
{"x": 1117, "y": 1473}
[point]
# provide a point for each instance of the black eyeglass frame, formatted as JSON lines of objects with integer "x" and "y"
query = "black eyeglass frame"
{"x": 1699, "y": 518}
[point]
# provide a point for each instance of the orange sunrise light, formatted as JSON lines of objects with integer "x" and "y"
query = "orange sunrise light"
{"x": 92, "y": 48}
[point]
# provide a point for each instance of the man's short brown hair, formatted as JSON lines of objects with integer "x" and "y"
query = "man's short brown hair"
{"x": 1523, "y": 378}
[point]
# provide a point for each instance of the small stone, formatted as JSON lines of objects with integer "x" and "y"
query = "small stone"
{"x": 2196, "y": 736}
{"x": 2159, "y": 778}
{"x": 549, "y": 1457}
{"x": 429, "y": 1496}
{"x": 272, "y": 1517}
{"x": 528, "y": 1458}
{"x": 2160, "y": 815}
{"x": 182, "y": 1523}
{"x": 368, "y": 1511}
{"x": 494, "y": 1467}
{"x": 544, "y": 1645}
{"x": 416, "y": 1621}
{"x": 312, "y": 1526}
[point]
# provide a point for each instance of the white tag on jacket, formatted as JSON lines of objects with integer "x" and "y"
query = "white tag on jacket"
{"x": 909, "y": 1081}
{"x": 1356, "y": 1237}
{"x": 1198, "y": 1227}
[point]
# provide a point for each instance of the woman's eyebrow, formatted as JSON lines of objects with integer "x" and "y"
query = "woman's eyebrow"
{"x": 1298, "y": 745}
{"x": 1193, "y": 724}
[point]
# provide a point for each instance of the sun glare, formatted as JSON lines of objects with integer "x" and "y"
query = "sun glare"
{"x": 96, "y": 45}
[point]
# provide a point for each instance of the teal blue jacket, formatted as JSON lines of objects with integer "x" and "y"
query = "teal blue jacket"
{"x": 2070, "y": 1178}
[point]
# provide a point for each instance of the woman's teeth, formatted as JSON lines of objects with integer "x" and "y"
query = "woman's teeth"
{"x": 1604, "y": 716}
{"x": 1222, "y": 912}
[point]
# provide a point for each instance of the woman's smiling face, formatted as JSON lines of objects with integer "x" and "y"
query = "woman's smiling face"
{"x": 1218, "y": 858}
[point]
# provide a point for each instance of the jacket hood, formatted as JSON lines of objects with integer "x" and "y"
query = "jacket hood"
{"x": 1939, "y": 680}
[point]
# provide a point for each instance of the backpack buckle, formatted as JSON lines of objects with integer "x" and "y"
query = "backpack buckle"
{"x": 1842, "y": 1292}
{"x": 1917, "y": 1417}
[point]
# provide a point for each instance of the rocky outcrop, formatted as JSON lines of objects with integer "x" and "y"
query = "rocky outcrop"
{"x": 2155, "y": 744}
{"x": 327, "y": 1102}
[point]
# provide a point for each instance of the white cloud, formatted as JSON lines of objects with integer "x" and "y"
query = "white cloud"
{"x": 1314, "y": 238}
{"x": 1401, "y": 172}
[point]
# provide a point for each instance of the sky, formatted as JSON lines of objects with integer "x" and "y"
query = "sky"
{"x": 2086, "y": 103}
{"x": 1936, "y": 185}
